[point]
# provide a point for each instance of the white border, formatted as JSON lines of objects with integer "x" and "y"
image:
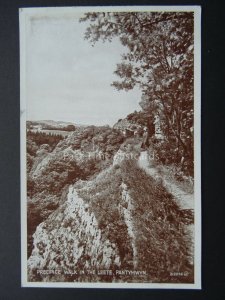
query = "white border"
{"x": 26, "y": 13}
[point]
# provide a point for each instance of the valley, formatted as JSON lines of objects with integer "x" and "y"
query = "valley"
{"x": 95, "y": 203}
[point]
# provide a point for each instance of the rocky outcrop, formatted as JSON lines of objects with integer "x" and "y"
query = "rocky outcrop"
{"x": 70, "y": 238}
{"x": 41, "y": 161}
{"x": 126, "y": 210}
{"x": 122, "y": 124}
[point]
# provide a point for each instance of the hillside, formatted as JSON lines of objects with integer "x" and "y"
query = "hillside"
{"x": 53, "y": 163}
{"x": 49, "y": 124}
{"x": 92, "y": 208}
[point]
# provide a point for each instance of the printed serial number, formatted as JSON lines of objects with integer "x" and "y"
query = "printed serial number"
{"x": 179, "y": 273}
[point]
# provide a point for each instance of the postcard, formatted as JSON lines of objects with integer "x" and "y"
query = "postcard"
{"x": 111, "y": 147}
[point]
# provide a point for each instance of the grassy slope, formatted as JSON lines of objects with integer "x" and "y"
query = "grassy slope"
{"x": 159, "y": 225}
{"x": 162, "y": 244}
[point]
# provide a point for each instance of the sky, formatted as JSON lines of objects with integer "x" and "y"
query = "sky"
{"x": 69, "y": 80}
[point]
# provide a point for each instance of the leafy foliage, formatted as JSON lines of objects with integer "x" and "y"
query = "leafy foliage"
{"x": 40, "y": 138}
{"x": 159, "y": 60}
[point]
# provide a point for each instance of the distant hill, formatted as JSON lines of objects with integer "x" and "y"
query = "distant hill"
{"x": 48, "y": 124}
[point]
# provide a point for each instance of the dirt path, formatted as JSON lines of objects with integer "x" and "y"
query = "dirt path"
{"x": 183, "y": 199}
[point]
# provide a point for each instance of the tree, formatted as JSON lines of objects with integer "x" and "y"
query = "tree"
{"x": 70, "y": 128}
{"x": 159, "y": 60}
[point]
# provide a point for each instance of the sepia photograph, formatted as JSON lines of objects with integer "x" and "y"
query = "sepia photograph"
{"x": 110, "y": 103}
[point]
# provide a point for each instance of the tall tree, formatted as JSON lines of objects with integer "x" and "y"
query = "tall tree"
{"x": 159, "y": 60}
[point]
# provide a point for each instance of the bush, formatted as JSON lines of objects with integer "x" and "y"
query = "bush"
{"x": 168, "y": 153}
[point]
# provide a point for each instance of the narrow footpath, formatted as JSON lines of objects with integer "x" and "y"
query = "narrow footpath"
{"x": 184, "y": 200}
